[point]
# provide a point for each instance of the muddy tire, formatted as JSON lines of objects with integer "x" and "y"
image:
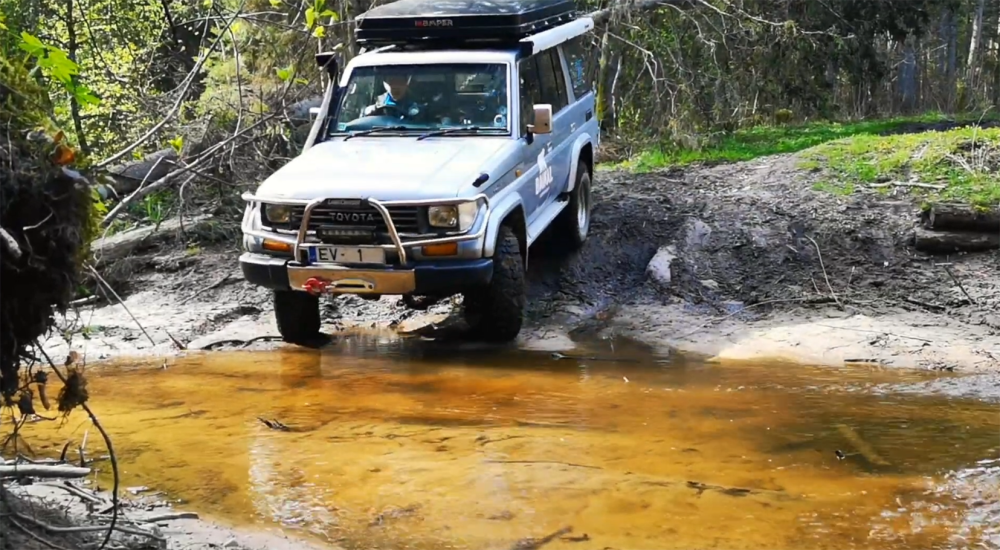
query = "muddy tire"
{"x": 573, "y": 223}
{"x": 495, "y": 313}
{"x": 297, "y": 314}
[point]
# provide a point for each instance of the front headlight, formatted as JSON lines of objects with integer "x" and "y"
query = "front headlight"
{"x": 278, "y": 213}
{"x": 460, "y": 217}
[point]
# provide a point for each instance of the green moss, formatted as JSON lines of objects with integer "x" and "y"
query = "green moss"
{"x": 761, "y": 141}
{"x": 964, "y": 162}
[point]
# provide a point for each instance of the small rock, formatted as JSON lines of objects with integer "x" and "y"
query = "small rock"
{"x": 709, "y": 283}
{"x": 659, "y": 267}
{"x": 697, "y": 233}
{"x": 231, "y": 543}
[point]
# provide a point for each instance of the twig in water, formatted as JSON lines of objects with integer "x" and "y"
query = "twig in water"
{"x": 107, "y": 441}
{"x": 544, "y": 462}
{"x": 169, "y": 517}
{"x": 243, "y": 343}
{"x": 828, "y": 285}
{"x": 535, "y": 544}
{"x": 83, "y": 447}
{"x": 121, "y": 302}
{"x": 959, "y": 283}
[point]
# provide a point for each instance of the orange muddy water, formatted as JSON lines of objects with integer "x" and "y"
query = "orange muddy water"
{"x": 409, "y": 444}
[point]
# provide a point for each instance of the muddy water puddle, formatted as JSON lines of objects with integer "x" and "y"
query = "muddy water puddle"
{"x": 389, "y": 443}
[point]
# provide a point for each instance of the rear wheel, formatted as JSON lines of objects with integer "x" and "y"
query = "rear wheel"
{"x": 496, "y": 312}
{"x": 297, "y": 315}
{"x": 574, "y": 220}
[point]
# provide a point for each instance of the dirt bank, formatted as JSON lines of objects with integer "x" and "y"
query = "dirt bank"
{"x": 759, "y": 265}
{"x": 33, "y": 514}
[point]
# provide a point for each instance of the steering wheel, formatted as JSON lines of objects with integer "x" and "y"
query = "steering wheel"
{"x": 371, "y": 121}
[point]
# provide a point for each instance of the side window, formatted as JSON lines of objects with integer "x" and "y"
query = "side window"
{"x": 553, "y": 84}
{"x": 580, "y": 59}
{"x": 527, "y": 70}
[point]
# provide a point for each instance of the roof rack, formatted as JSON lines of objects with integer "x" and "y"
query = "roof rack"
{"x": 460, "y": 22}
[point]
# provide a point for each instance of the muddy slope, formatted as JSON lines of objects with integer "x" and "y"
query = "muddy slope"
{"x": 760, "y": 260}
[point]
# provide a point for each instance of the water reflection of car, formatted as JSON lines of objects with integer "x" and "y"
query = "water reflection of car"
{"x": 435, "y": 160}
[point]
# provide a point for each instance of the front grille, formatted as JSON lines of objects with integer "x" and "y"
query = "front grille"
{"x": 407, "y": 219}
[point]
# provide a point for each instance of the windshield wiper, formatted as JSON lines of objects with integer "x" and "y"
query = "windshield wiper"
{"x": 375, "y": 129}
{"x": 447, "y": 131}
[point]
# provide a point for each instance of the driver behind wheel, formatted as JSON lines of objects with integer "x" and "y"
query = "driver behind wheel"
{"x": 396, "y": 101}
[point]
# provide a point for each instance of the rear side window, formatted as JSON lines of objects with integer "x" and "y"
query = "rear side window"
{"x": 550, "y": 72}
{"x": 580, "y": 55}
{"x": 531, "y": 90}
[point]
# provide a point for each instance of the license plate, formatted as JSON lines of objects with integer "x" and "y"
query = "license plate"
{"x": 347, "y": 255}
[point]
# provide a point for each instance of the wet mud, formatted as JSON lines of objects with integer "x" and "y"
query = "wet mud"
{"x": 751, "y": 262}
{"x": 379, "y": 441}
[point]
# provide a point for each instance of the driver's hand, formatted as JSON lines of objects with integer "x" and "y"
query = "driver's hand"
{"x": 368, "y": 110}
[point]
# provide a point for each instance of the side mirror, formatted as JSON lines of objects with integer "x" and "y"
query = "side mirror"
{"x": 543, "y": 119}
{"x": 313, "y": 113}
{"x": 328, "y": 62}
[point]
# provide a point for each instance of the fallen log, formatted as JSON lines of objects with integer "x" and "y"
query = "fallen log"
{"x": 39, "y": 470}
{"x": 120, "y": 245}
{"x": 154, "y": 166}
{"x": 963, "y": 217}
{"x": 949, "y": 242}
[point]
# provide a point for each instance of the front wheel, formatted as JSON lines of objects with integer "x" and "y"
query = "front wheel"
{"x": 297, "y": 315}
{"x": 574, "y": 221}
{"x": 495, "y": 313}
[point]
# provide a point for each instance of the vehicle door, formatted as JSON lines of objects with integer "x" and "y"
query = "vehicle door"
{"x": 580, "y": 69}
{"x": 533, "y": 151}
{"x": 559, "y": 148}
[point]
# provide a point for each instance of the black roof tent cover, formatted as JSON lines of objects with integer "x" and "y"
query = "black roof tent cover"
{"x": 460, "y": 21}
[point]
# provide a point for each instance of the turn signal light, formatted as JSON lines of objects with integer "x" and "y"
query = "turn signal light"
{"x": 276, "y": 246}
{"x": 446, "y": 249}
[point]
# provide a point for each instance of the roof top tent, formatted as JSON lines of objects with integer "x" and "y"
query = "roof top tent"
{"x": 464, "y": 22}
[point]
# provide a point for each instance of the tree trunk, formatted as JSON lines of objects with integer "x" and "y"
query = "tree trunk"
{"x": 949, "y": 35}
{"x": 963, "y": 217}
{"x": 74, "y": 104}
{"x": 950, "y": 242}
{"x": 908, "y": 77}
{"x": 977, "y": 36}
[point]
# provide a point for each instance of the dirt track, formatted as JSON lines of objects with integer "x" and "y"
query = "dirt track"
{"x": 764, "y": 266}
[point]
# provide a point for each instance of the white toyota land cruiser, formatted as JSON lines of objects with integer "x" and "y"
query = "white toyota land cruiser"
{"x": 435, "y": 160}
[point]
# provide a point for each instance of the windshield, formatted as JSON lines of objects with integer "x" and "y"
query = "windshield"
{"x": 423, "y": 98}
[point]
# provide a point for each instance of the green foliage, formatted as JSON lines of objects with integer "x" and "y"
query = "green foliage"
{"x": 56, "y": 64}
{"x": 965, "y": 161}
{"x": 758, "y": 141}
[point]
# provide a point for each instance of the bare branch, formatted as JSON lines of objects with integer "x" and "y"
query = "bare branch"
{"x": 39, "y": 470}
{"x": 185, "y": 86}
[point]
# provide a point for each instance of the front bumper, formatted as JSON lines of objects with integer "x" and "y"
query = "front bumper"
{"x": 427, "y": 278}
{"x": 304, "y": 239}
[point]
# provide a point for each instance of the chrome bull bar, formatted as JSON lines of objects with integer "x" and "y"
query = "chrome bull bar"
{"x": 298, "y": 242}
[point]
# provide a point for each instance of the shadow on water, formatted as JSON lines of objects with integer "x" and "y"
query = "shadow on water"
{"x": 401, "y": 442}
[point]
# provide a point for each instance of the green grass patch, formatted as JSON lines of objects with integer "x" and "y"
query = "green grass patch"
{"x": 761, "y": 141}
{"x": 964, "y": 163}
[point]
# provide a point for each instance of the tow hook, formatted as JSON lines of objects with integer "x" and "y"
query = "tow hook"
{"x": 315, "y": 286}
